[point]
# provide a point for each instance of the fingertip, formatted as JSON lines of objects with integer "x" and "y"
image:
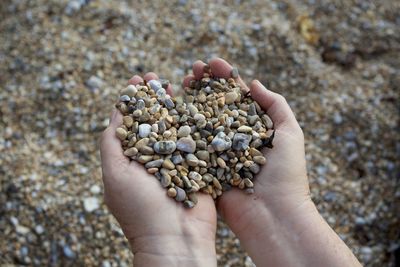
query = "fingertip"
{"x": 220, "y": 68}
{"x": 169, "y": 90}
{"x": 136, "y": 79}
{"x": 116, "y": 119}
{"x": 187, "y": 79}
{"x": 198, "y": 69}
{"x": 150, "y": 76}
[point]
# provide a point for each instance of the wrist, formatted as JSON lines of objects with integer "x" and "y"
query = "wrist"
{"x": 174, "y": 250}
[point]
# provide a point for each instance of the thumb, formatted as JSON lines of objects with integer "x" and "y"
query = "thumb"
{"x": 112, "y": 154}
{"x": 275, "y": 105}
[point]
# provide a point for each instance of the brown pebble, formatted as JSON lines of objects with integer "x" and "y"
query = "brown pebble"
{"x": 221, "y": 163}
{"x": 171, "y": 192}
{"x": 130, "y": 152}
{"x": 127, "y": 121}
{"x": 152, "y": 170}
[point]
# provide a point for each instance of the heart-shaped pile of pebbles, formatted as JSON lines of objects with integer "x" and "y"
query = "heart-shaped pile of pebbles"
{"x": 207, "y": 140}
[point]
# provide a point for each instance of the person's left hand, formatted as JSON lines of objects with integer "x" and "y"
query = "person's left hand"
{"x": 161, "y": 231}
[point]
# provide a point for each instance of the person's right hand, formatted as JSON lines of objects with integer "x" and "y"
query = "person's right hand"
{"x": 279, "y": 224}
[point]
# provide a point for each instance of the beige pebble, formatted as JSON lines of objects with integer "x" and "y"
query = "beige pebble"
{"x": 221, "y": 163}
{"x": 244, "y": 129}
{"x": 121, "y": 133}
{"x": 141, "y": 143}
{"x": 127, "y": 121}
{"x": 231, "y": 97}
{"x": 131, "y": 152}
{"x": 168, "y": 164}
{"x": 248, "y": 182}
{"x": 152, "y": 170}
{"x": 260, "y": 160}
{"x": 217, "y": 184}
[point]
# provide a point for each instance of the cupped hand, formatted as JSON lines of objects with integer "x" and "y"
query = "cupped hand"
{"x": 282, "y": 182}
{"x": 158, "y": 228}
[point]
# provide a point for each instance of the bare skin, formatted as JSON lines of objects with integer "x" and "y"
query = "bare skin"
{"x": 278, "y": 226}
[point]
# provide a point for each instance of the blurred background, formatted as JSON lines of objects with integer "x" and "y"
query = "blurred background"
{"x": 63, "y": 62}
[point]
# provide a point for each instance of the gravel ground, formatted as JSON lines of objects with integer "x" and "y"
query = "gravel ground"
{"x": 62, "y": 63}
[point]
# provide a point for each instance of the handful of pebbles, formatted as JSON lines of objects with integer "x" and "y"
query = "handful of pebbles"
{"x": 207, "y": 140}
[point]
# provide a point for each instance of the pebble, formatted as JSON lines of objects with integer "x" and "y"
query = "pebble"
{"x": 164, "y": 147}
{"x": 165, "y": 180}
{"x": 171, "y": 192}
{"x": 144, "y": 130}
{"x": 221, "y": 163}
{"x": 154, "y": 164}
{"x": 121, "y": 133}
{"x": 180, "y": 194}
{"x": 221, "y": 142}
{"x": 127, "y": 121}
{"x": 192, "y": 160}
{"x": 130, "y": 152}
{"x": 234, "y": 73}
{"x": 168, "y": 164}
{"x": 184, "y": 131}
{"x": 124, "y": 98}
{"x": 130, "y": 90}
{"x": 230, "y": 97}
{"x": 90, "y": 204}
{"x": 195, "y": 176}
{"x": 203, "y": 155}
{"x": 245, "y": 129}
{"x": 254, "y": 168}
{"x": 186, "y": 144}
{"x": 241, "y": 141}
{"x": 188, "y": 204}
{"x": 260, "y": 160}
{"x": 155, "y": 85}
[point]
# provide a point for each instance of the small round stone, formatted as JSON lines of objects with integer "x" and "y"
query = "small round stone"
{"x": 221, "y": 142}
{"x": 130, "y": 90}
{"x": 171, "y": 192}
{"x": 180, "y": 194}
{"x": 124, "y": 98}
{"x": 230, "y": 97}
{"x": 144, "y": 130}
{"x": 130, "y": 152}
{"x": 241, "y": 141}
{"x": 221, "y": 163}
{"x": 186, "y": 144}
{"x": 155, "y": 85}
{"x": 154, "y": 164}
{"x": 254, "y": 168}
{"x": 164, "y": 147}
{"x": 260, "y": 160}
{"x": 184, "y": 131}
{"x": 192, "y": 160}
{"x": 188, "y": 204}
{"x": 244, "y": 129}
{"x": 168, "y": 164}
{"x": 127, "y": 121}
{"x": 195, "y": 176}
{"x": 165, "y": 180}
{"x": 234, "y": 73}
{"x": 121, "y": 133}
